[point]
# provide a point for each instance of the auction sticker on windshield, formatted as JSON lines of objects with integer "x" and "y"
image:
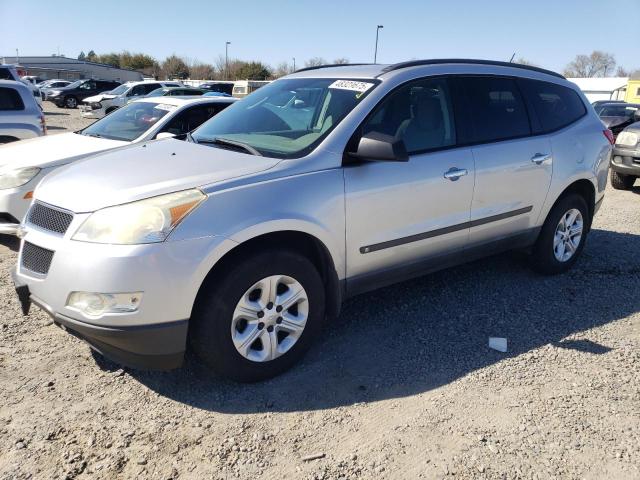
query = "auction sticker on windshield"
{"x": 351, "y": 85}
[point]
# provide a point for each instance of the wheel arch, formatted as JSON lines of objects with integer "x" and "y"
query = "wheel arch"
{"x": 586, "y": 189}
{"x": 294, "y": 240}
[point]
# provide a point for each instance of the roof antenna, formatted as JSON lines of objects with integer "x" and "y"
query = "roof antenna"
{"x": 514, "y": 54}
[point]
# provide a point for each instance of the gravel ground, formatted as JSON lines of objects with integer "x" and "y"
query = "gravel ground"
{"x": 60, "y": 120}
{"x": 401, "y": 386}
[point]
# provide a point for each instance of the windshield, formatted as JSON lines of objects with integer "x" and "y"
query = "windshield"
{"x": 287, "y": 118}
{"x": 75, "y": 84}
{"x": 118, "y": 90}
{"x": 128, "y": 123}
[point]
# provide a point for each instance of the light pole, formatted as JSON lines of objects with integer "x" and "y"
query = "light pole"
{"x": 375, "y": 54}
{"x": 226, "y": 60}
{"x": 294, "y": 64}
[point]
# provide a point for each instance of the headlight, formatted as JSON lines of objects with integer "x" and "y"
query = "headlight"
{"x": 17, "y": 177}
{"x": 627, "y": 139}
{"x": 145, "y": 221}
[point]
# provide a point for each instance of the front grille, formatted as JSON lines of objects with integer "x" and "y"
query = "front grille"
{"x": 49, "y": 218}
{"x": 36, "y": 259}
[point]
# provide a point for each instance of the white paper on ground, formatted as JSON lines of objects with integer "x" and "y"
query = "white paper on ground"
{"x": 498, "y": 343}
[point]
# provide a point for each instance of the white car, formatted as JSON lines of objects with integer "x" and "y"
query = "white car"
{"x": 24, "y": 164}
{"x": 20, "y": 115}
{"x": 12, "y": 72}
{"x": 102, "y": 104}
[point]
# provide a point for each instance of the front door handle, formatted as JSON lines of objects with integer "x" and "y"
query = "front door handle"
{"x": 540, "y": 158}
{"x": 454, "y": 173}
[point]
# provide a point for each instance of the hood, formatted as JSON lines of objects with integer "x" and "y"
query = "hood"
{"x": 99, "y": 98}
{"x": 53, "y": 150}
{"x": 613, "y": 121}
{"x": 144, "y": 170}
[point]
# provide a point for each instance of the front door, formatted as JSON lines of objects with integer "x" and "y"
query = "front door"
{"x": 399, "y": 214}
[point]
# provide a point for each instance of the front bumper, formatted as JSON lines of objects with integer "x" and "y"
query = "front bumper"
{"x": 154, "y": 347}
{"x": 168, "y": 274}
{"x": 626, "y": 161}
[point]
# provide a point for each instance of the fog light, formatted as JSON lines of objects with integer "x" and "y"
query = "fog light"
{"x": 98, "y": 304}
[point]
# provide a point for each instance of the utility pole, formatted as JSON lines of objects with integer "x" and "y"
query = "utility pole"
{"x": 375, "y": 54}
{"x": 17, "y": 57}
{"x": 226, "y": 60}
{"x": 294, "y": 64}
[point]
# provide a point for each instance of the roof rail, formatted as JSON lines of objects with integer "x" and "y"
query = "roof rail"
{"x": 440, "y": 61}
{"x": 331, "y": 65}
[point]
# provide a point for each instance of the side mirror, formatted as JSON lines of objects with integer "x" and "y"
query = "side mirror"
{"x": 162, "y": 135}
{"x": 378, "y": 146}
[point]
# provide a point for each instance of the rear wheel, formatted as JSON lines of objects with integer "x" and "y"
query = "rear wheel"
{"x": 562, "y": 237}
{"x": 71, "y": 102}
{"x": 620, "y": 181}
{"x": 256, "y": 318}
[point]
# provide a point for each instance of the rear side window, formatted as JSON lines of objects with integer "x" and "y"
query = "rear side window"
{"x": 494, "y": 109}
{"x": 5, "y": 74}
{"x": 10, "y": 99}
{"x": 556, "y": 106}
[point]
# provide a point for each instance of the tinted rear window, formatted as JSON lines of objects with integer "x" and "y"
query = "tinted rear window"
{"x": 495, "y": 109}
{"x": 10, "y": 99}
{"x": 556, "y": 106}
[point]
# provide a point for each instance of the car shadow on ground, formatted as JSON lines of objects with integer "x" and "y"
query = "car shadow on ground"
{"x": 421, "y": 334}
{"x": 55, "y": 113}
{"x": 10, "y": 241}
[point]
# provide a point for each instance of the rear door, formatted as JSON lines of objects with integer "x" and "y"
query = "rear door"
{"x": 400, "y": 215}
{"x": 513, "y": 167}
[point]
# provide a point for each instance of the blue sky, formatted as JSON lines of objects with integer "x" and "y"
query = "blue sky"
{"x": 548, "y": 33}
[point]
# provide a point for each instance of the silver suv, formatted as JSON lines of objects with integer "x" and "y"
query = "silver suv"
{"x": 243, "y": 239}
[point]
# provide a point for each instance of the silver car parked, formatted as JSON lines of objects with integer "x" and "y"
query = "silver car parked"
{"x": 20, "y": 115}
{"x": 242, "y": 240}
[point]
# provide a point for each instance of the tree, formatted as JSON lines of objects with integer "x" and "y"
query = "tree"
{"x": 82, "y": 56}
{"x": 110, "y": 59}
{"x": 253, "y": 71}
{"x": 315, "y": 62}
{"x": 91, "y": 56}
{"x": 175, "y": 67}
{"x": 341, "y": 61}
{"x": 598, "y": 64}
{"x": 524, "y": 61}
{"x": 202, "y": 71}
{"x": 283, "y": 68}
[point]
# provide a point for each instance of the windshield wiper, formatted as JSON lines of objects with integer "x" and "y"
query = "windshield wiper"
{"x": 231, "y": 143}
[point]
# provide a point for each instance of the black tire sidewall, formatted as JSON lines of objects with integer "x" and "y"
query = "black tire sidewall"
{"x": 210, "y": 329}
{"x": 67, "y": 99}
{"x": 543, "y": 257}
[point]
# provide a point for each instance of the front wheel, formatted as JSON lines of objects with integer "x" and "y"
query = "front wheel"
{"x": 620, "y": 181}
{"x": 256, "y": 318}
{"x": 562, "y": 237}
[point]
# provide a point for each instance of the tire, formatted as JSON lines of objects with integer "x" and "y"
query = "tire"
{"x": 70, "y": 101}
{"x": 544, "y": 256}
{"x": 620, "y": 181}
{"x": 214, "y": 322}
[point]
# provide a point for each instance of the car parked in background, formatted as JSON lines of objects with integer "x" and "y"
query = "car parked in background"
{"x": 176, "y": 92}
{"x": 242, "y": 240}
{"x": 20, "y": 115}
{"x": 71, "y": 95}
{"x": 24, "y": 164}
{"x": 242, "y": 88}
{"x": 11, "y": 72}
{"x": 100, "y": 105}
{"x": 625, "y": 161}
{"x": 218, "y": 86}
{"x": 617, "y": 116}
{"x": 49, "y": 85}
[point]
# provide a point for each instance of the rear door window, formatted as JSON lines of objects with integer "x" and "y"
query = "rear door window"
{"x": 10, "y": 100}
{"x": 556, "y": 106}
{"x": 493, "y": 109}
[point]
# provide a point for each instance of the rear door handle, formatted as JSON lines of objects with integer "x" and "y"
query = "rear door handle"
{"x": 454, "y": 173}
{"x": 540, "y": 158}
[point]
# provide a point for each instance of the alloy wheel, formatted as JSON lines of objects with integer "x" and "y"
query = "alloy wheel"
{"x": 269, "y": 318}
{"x": 568, "y": 235}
